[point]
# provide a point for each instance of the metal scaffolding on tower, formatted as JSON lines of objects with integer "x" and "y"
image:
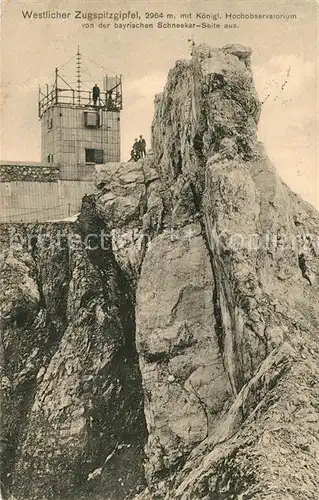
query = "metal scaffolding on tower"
{"x": 63, "y": 94}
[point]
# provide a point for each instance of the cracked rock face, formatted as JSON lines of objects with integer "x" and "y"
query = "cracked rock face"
{"x": 72, "y": 390}
{"x": 188, "y": 341}
{"x": 179, "y": 358}
{"x": 262, "y": 299}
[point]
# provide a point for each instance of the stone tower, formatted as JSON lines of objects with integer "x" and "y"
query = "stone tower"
{"x": 78, "y": 131}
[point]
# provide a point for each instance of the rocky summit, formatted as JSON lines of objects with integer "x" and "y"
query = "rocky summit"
{"x": 165, "y": 345}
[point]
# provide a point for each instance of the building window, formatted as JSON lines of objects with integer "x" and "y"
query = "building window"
{"x": 91, "y": 119}
{"x": 94, "y": 156}
{"x": 50, "y": 124}
{"x": 50, "y": 158}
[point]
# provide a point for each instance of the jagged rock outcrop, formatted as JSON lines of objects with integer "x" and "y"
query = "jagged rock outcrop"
{"x": 71, "y": 370}
{"x": 189, "y": 331}
{"x": 258, "y": 237}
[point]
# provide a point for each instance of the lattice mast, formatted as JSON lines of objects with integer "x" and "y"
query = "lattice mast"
{"x": 78, "y": 74}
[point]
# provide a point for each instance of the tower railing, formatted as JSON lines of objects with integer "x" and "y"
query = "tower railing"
{"x": 110, "y": 100}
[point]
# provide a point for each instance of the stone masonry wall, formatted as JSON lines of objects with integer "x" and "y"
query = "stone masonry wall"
{"x": 36, "y": 173}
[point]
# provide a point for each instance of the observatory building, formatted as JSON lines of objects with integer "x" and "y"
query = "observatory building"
{"x": 80, "y": 128}
{"x": 78, "y": 131}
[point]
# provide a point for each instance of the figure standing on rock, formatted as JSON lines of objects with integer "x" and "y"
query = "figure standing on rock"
{"x": 138, "y": 149}
{"x": 135, "y": 152}
{"x": 142, "y": 146}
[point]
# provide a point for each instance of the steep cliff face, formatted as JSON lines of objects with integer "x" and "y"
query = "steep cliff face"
{"x": 182, "y": 332}
{"x": 72, "y": 390}
{"x": 224, "y": 343}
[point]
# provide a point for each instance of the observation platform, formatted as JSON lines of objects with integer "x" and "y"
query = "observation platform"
{"x": 109, "y": 100}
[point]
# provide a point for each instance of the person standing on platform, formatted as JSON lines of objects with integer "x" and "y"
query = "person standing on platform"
{"x": 96, "y": 94}
{"x": 109, "y": 101}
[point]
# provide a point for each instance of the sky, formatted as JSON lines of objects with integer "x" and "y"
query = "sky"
{"x": 284, "y": 63}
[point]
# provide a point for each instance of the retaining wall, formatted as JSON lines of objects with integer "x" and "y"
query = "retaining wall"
{"x": 21, "y": 172}
{"x": 28, "y": 201}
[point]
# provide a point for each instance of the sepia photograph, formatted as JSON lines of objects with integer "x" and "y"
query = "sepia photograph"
{"x": 159, "y": 243}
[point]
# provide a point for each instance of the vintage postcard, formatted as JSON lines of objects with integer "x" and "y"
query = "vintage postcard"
{"x": 159, "y": 234}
